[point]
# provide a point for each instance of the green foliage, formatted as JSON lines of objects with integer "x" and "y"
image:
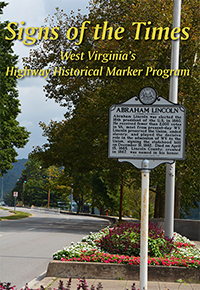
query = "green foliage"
{"x": 124, "y": 239}
{"x": 35, "y": 190}
{"x": 12, "y": 135}
{"x": 184, "y": 253}
{"x": 102, "y": 197}
{"x": 155, "y": 245}
{"x": 132, "y": 195}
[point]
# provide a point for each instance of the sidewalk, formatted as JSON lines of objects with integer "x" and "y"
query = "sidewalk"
{"x": 116, "y": 284}
{"x": 197, "y": 243}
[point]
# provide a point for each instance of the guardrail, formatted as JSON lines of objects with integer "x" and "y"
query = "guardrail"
{"x": 46, "y": 210}
{"x": 185, "y": 227}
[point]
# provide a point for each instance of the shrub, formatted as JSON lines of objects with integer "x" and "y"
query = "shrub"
{"x": 184, "y": 253}
{"x": 125, "y": 239}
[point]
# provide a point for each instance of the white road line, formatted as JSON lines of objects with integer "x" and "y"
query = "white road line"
{"x": 31, "y": 229}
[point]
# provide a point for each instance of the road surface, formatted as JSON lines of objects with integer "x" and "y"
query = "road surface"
{"x": 27, "y": 245}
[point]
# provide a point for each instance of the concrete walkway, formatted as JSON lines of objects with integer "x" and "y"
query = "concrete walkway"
{"x": 116, "y": 284}
{"x": 197, "y": 243}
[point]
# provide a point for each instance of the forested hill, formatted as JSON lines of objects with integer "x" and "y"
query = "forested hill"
{"x": 11, "y": 177}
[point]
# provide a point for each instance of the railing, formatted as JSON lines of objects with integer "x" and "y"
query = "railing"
{"x": 46, "y": 210}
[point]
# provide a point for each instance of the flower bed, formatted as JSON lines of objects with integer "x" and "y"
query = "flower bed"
{"x": 108, "y": 245}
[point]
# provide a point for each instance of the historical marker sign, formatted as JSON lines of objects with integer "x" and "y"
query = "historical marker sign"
{"x": 146, "y": 131}
{"x": 147, "y": 127}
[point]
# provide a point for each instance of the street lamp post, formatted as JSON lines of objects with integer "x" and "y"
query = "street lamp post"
{"x": 173, "y": 97}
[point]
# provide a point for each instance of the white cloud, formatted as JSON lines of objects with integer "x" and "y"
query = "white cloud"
{"x": 27, "y": 124}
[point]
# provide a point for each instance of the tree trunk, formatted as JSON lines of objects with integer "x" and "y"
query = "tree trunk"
{"x": 159, "y": 209}
{"x": 102, "y": 211}
{"x": 177, "y": 204}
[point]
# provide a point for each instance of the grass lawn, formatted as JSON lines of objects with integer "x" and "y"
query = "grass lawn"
{"x": 16, "y": 214}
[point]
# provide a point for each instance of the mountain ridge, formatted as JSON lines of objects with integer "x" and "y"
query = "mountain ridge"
{"x": 10, "y": 178}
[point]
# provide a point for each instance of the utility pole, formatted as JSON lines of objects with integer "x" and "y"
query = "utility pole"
{"x": 71, "y": 205}
{"x": 24, "y": 180}
{"x": 173, "y": 97}
{"x": 49, "y": 191}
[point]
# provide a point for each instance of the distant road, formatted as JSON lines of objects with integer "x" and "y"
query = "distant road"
{"x": 27, "y": 245}
{"x": 4, "y": 213}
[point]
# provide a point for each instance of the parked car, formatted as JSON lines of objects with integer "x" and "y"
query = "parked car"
{"x": 62, "y": 205}
{"x": 2, "y": 203}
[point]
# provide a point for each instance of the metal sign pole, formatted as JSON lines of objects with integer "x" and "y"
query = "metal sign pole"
{"x": 173, "y": 97}
{"x": 144, "y": 225}
{"x": 15, "y": 203}
{"x": 15, "y": 194}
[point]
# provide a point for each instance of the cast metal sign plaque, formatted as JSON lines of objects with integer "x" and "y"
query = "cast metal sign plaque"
{"x": 147, "y": 127}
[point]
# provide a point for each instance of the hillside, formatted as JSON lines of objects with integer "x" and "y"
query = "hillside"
{"x": 11, "y": 177}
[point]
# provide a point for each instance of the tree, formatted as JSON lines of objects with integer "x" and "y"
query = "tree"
{"x": 36, "y": 182}
{"x": 12, "y": 135}
{"x": 76, "y": 146}
{"x": 88, "y": 98}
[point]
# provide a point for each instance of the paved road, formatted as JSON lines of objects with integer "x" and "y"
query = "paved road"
{"x": 27, "y": 245}
{"x": 4, "y": 213}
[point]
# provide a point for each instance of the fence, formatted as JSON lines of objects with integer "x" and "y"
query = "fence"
{"x": 46, "y": 210}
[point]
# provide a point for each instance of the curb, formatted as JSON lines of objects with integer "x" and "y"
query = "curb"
{"x": 89, "y": 270}
{"x": 36, "y": 280}
{"x": 111, "y": 219}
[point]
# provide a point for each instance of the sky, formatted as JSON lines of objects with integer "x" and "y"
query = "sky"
{"x": 34, "y": 105}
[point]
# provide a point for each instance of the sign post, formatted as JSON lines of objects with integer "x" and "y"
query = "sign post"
{"x": 146, "y": 131}
{"x": 144, "y": 225}
{"x": 15, "y": 194}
